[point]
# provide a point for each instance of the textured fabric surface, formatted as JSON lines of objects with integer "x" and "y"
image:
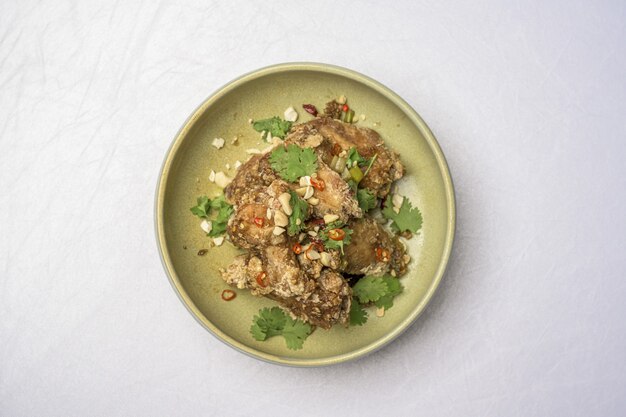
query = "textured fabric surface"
{"x": 527, "y": 100}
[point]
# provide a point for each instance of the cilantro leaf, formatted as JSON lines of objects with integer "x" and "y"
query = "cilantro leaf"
{"x": 369, "y": 289}
{"x": 220, "y": 223}
{"x": 370, "y": 162}
{"x": 295, "y": 333}
{"x": 224, "y": 211}
{"x": 379, "y": 290}
{"x": 203, "y": 208}
{"x": 366, "y": 199}
{"x": 259, "y": 333}
{"x": 300, "y": 211}
{"x": 268, "y": 323}
{"x": 293, "y": 162}
{"x": 407, "y": 219}
{"x": 274, "y": 125}
{"x": 274, "y": 322}
{"x": 335, "y": 244}
{"x": 218, "y": 202}
{"x": 354, "y": 156}
{"x": 393, "y": 288}
{"x": 358, "y": 315}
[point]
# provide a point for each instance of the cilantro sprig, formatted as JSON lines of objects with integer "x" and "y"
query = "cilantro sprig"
{"x": 335, "y": 244}
{"x": 369, "y": 289}
{"x": 274, "y": 126}
{"x": 224, "y": 211}
{"x": 358, "y": 315}
{"x": 367, "y": 199}
{"x": 407, "y": 219}
{"x": 393, "y": 288}
{"x": 203, "y": 208}
{"x": 206, "y": 206}
{"x": 293, "y": 162}
{"x": 354, "y": 156}
{"x": 298, "y": 216}
{"x": 295, "y": 333}
{"x": 377, "y": 290}
{"x": 274, "y": 322}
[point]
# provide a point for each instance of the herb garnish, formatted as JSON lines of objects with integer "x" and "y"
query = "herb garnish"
{"x": 407, "y": 218}
{"x": 298, "y": 216}
{"x": 274, "y": 126}
{"x": 335, "y": 244}
{"x": 224, "y": 210}
{"x": 293, "y": 162}
{"x": 274, "y": 322}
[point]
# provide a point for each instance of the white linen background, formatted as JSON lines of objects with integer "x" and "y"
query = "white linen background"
{"x": 527, "y": 100}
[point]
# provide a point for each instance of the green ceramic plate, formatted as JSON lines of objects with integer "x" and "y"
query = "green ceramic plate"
{"x": 184, "y": 176}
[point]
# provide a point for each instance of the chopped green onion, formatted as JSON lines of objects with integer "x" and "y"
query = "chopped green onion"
{"x": 356, "y": 174}
{"x": 370, "y": 165}
{"x": 348, "y": 116}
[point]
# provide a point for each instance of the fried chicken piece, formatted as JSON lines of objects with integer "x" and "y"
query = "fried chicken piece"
{"x": 275, "y": 273}
{"x": 385, "y": 169}
{"x": 272, "y": 270}
{"x": 336, "y": 197}
{"x": 327, "y": 304}
{"x": 250, "y": 227}
{"x": 251, "y": 178}
{"x": 373, "y": 251}
{"x": 305, "y": 135}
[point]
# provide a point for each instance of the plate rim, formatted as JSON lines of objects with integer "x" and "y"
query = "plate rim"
{"x": 162, "y": 184}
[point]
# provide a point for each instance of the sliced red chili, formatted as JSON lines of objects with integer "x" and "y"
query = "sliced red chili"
{"x": 318, "y": 184}
{"x": 261, "y": 279}
{"x": 310, "y": 248}
{"x": 297, "y": 248}
{"x": 228, "y": 295}
{"x": 382, "y": 254}
{"x": 336, "y": 234}
{"x": 317, "y": 244}
{"x": 345, "y": 108}
{"x": 259, "y": 221}
{"x": 309, "y": 108}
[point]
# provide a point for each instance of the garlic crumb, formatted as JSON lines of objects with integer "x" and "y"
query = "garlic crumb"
{"x": 218, "y": 143}
{"x": 278, "y": 230}
{"x": 291, "y": 115}
{"x": 206, "y": 225}
{"x": 221, "y": 180}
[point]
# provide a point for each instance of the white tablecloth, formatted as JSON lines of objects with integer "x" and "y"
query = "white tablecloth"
{"x": 527, "y": 100}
